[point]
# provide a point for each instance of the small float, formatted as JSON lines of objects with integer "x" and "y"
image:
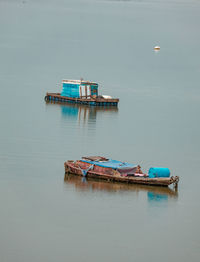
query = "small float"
{"x": 156, "y": 48}
{"x": 117, "y": 171}
{"x": 81, "y": 92}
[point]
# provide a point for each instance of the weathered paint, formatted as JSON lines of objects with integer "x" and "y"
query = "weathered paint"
{"x": 79, "y": 88}
{"x": 94, "y": 90}
{"x": 70, "y": 90}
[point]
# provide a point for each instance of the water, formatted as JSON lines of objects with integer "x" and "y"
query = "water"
{"x": 46, "y": 216}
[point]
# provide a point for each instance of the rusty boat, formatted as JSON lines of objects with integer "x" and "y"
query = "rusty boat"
{"x": 116, "y": 171}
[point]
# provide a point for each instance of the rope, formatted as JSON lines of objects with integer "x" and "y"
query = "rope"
{"x": 85, "y": 171}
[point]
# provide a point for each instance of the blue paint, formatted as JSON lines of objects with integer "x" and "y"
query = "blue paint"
{"x": 70, "y": 90}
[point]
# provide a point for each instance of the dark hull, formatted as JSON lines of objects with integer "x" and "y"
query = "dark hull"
{"x": 85, "y": 101}
{"x": 162, "y": 181}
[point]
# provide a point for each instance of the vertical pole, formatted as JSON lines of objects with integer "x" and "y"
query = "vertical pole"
{"x": 86, "y": 91}
{"x": 90, "y": 92}
{"x": 80, "y": 91}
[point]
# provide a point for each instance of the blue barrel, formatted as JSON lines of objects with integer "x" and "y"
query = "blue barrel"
{"x": 159, "y": 172}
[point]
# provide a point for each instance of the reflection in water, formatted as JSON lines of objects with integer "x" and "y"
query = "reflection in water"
{"x": 82, "y": 113}
{"x": 89, "y": 184}
{"x": 157, "y": 197}
{"x": 69, "y": 111}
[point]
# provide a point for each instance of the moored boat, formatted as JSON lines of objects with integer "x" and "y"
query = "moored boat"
{"x": 81, "y": 92}
{"x": 117, "y": 171}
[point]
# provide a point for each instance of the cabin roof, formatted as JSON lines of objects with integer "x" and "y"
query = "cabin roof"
{"x": 71, "y": 81}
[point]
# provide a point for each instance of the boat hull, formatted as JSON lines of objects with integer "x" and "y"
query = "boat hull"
{"x": 161, "y": 181}
{"x": 56, "y": 97}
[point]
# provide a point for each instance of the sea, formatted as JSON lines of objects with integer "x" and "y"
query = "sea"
{"x": 48, "y": 216}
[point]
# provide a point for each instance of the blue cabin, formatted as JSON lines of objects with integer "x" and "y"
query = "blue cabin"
{"x": 79, "y": 89}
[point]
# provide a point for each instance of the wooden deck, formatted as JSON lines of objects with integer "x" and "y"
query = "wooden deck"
{"x": 85, "y": 101}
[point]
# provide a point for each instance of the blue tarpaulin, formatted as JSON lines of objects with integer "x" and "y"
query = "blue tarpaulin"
{"x": 110, "y": 163}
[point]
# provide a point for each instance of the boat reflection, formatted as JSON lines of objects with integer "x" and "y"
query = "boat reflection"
{"x": 88, "y": 184}
{"x": 82, "y": 113}
{"x": 154, "y": 197}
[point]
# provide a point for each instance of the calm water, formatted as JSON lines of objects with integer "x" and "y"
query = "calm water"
{"x": 46, "y": 216}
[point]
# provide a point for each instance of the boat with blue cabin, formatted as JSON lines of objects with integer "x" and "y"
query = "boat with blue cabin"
{"x": 117, "y": 171}
{"x": 81, "y": 92}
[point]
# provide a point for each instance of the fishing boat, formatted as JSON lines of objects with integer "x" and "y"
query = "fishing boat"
{"x": 81, "y": 92}
{"x": 117, "y": 171}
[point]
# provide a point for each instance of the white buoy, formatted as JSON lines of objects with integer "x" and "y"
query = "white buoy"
{"x": 157, "y": 47}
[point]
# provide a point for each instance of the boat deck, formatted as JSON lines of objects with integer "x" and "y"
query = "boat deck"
{"x": 56, "y": 97}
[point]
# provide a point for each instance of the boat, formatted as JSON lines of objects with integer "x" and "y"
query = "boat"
{"x": 99, "y": 167}
{"x": 81, "y": 92}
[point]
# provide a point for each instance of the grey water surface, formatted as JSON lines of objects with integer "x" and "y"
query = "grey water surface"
{"x": 47, "y": 216}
